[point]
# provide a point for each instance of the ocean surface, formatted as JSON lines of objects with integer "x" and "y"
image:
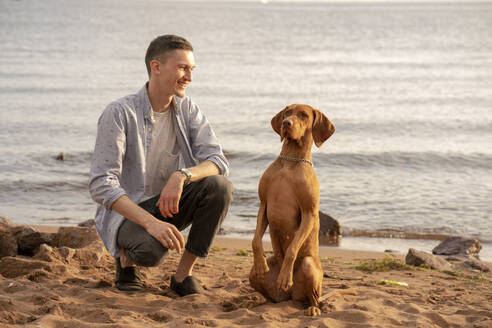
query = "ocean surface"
{"x": 408, "y": 87}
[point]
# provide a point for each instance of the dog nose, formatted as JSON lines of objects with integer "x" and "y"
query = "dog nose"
{"x": 287, "y": 123}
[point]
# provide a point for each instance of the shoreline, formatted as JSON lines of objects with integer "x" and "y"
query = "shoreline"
{"x": 225, "y": 241}
{"x": 353, "y": 247}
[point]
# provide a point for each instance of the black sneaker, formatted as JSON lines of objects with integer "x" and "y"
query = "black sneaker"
{"x": 128, "y": 279}
{"x": 190, "y": 285}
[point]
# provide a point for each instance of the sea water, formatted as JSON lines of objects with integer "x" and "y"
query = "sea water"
{"x": 408, "y": 87}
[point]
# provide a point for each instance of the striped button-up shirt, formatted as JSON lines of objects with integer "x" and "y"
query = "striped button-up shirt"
{"x": 124, "y": 136}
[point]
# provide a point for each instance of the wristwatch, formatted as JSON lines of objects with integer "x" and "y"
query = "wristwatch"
{"x": 186, "y": 172}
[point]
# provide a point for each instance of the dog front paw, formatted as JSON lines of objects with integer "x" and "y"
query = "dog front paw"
{"x": 313, "y": 311}
{"x": 260, "y": 268}
{"x": 284, "y": 280}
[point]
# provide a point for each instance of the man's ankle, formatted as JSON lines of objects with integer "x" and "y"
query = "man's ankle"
{"x": 124, "y": 260}
{"x": 180, "y": 277}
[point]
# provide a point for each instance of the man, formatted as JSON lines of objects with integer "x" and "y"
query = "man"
{"x": 156, "y": 149}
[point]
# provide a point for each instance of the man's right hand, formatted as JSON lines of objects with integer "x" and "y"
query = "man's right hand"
{"x": 167, "y": 234}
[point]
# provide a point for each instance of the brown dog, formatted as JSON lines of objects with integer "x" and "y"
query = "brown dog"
{"x": 289, "y": 195}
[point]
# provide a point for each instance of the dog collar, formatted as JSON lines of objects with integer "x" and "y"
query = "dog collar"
{"x": 292, "y": 159}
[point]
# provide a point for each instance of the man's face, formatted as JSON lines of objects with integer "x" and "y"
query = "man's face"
{"x": 175, "y": 72}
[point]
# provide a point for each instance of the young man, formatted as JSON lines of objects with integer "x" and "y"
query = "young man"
{"x": 156, "y": 149}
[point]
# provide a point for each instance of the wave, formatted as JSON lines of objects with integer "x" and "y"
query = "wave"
{"x": 71, "y": 158}
{"x": 434, "y": 234}
{"x": 38, "y": 186}
{"x": 416, "y": 128}
{"x": 246, "y": 156}
{"x": 414, "y": 160}
{"x": 383, "y": 233}
{"x": 52, "y": 172}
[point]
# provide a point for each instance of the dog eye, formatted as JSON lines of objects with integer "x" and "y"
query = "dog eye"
{"x": 304, "y": 115}
{"x": 287, "y": 113}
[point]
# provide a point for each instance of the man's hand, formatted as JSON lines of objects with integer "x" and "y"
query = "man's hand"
{"x": 167, "y": 234}
{"x": 168, "y": 203}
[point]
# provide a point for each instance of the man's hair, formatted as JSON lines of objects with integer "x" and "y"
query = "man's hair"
{"x": 164, "y": 44}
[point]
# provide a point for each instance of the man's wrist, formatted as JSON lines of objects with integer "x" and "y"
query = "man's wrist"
{"x": 186, "y": 173}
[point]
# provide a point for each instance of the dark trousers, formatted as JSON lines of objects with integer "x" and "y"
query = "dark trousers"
{"x": 203, "y": 204}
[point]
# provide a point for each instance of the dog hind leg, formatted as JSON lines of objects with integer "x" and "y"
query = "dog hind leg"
{"x": 308, "y": 279}
{"x": 267, "y": 285}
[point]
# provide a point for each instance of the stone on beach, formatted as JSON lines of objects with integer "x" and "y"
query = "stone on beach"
{"x": 27, "y": 252}
{"x": 75, "y": 237}
{"x": 445, "y": 263}
{"x": 330, "y": 230}
{"x": 29, "y": 240}
{"x": 419, "y": 258}
{"x": 8, "y": 243}
{"x": 476, "y": 264}
{"x": 87, "y": 223}
{"x": 458, "y": 246}
{"x": 468, "y": 262}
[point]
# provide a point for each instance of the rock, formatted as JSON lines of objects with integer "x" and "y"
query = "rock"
{"x": 61, "y": 156}
{"x": 89, "y": 256}
{"x": 47, "y": 253}
{"x": 418, "y": 258}
{"x": 29, "y": 240}
{"x": 75, "y": 237}
{"x": 468, "y": 262}
{"x": 476, "y": 264}
{"x": 8, "y": 243}
{"x": 66, "y": 252}
{"x": 6, "y": 223}
{"x": 455, "y": 259}
{"x": 330, "y": 230}
{"x": 458, "y": 246}
{"x": 87, "y": 223}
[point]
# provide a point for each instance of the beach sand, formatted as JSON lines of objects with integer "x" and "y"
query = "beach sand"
{"x": 67, "y": 287}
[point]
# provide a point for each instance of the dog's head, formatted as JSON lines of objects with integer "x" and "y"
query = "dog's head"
{"x": 295, "y": 121}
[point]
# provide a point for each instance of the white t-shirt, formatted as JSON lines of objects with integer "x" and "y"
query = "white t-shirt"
{"x": 162, "y": 158}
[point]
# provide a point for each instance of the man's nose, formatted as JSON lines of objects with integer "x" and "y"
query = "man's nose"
{"x": 189, "y": 75}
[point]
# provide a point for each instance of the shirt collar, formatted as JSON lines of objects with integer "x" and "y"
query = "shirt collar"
{"x": 144, "y": 94}
{"x": 147, "y": 108}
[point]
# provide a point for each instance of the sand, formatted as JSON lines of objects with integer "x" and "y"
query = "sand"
{"x": 65, "y": 287}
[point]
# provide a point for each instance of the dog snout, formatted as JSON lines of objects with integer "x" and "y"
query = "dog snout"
{"x": 287, "y": 123}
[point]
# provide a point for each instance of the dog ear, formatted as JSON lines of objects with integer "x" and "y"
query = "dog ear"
{"x": 277, "y": 123}
{"x": 322, "y": 128}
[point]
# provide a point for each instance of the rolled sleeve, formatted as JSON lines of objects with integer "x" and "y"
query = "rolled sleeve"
{"x": 107, "y": 159}
{"x": 221, "y": 163}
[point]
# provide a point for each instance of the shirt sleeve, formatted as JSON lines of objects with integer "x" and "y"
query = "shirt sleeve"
{"x": 204, "y": 143}
{"x": 107, "y": 159}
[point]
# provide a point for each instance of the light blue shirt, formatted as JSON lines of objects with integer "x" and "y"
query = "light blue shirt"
{"x": 124, "y": 136}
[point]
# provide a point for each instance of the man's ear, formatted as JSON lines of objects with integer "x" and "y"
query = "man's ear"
{"x": 155, "y": 66}
{"x": 277, "y": 123}
{"x": 322, "y": 128}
